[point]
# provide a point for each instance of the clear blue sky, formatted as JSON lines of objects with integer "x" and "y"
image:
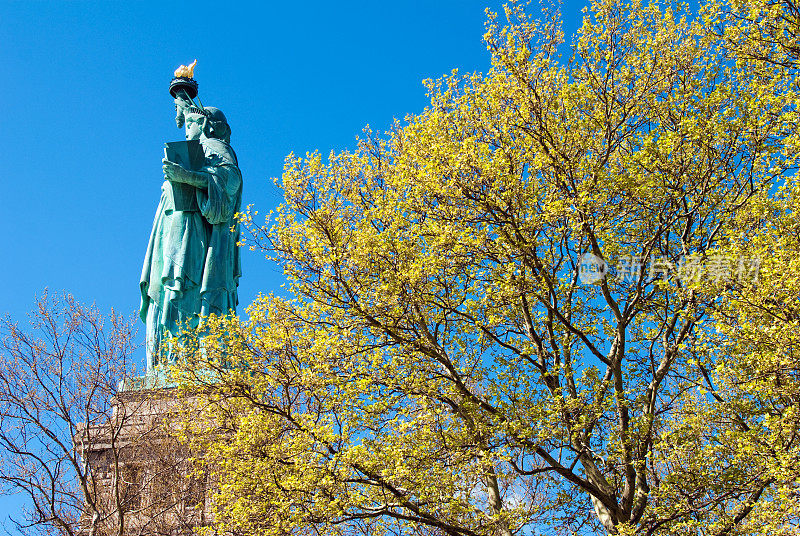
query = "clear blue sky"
{"x": 85, "y": 113}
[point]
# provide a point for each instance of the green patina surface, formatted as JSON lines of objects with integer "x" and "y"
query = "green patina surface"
{"x": 192, "y": 267}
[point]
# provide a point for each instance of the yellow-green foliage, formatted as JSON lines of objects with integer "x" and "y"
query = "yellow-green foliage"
{"x": 439, "y": 366}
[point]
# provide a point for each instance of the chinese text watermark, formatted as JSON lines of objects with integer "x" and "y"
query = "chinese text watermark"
{"x": 687, "y": 269}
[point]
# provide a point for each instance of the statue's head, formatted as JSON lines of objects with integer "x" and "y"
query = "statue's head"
{"x": 207, "y": 122}
{"x": 195, "y": 124}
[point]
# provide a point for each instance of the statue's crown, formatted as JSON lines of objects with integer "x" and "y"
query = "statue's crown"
{"x": 197, "y": 110}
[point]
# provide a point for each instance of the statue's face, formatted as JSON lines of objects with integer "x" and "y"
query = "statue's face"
{"x": 194, "y": 126}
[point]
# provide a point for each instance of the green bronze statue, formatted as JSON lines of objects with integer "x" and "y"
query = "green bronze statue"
{"x": 192, "y": 267}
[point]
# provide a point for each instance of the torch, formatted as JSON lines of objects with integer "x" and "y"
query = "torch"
{"x": 184, "y": 86}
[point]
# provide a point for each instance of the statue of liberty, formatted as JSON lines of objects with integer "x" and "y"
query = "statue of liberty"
{"x": 192, "y": 267}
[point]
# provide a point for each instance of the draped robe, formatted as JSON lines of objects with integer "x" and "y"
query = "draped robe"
{"x": 192, "y": 265}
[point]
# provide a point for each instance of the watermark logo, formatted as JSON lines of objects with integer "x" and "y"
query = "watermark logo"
{"x": 688, "y": 269}
{"x": 591, "y": 269}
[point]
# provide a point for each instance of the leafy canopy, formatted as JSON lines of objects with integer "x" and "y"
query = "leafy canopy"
{"x": 440, "y": 366}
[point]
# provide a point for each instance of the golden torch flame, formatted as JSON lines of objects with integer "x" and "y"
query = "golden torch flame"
{"x": 186, "y": 71}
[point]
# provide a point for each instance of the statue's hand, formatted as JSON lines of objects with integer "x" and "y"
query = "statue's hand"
{"x": 181, "y": 104}
{"x": 177, "y": 173}
{"x": 174, "y": 172}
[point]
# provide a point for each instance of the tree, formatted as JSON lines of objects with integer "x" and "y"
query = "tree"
{"x": 455, "y": 359}
{"x": 87, "y": 459}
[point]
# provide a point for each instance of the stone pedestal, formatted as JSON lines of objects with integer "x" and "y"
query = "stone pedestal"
{"x": 143, "y": 479}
